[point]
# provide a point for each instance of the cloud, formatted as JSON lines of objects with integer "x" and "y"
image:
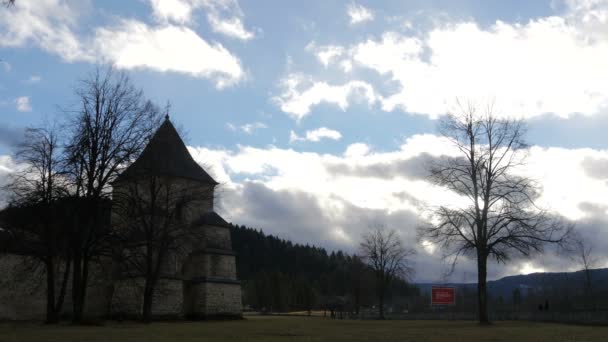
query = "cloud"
{"x": 553, "y": 64}
{"x": 33, "y": 79}
{"x": 172, "y": 10}
{"x": 331, "y": 199}
{"x": 325, "y": 54}
{"x": 596, "y": 168}
{"x": 232, "y": 27}
{"x": 359, "y": 14}
{"x": 23, "y": 104}
{"x": 6, "y": 65}
{"x": 49, "y": 24}
{"x": 412, "y": 168}
{"x": 301, "y": 93}
{"x": 224, "y": 16}
{"x": 248, "y": 128}
{"x": 357, "y": 150}
{"x": 10, "y": 136}
{"x": 563, "y": 73}
{"x": 8, "y": 165}
{"x": 133, "y": 44}
{"x": 316, "y": 135}
{"x": 170, "y": 46}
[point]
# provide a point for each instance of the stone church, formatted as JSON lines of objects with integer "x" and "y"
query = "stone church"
{"x": 197, "y": 281}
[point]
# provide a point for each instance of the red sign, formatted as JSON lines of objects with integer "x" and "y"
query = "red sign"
{"x": 442, "y": 295}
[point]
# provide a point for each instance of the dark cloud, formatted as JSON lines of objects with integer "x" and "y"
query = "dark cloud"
{"x": 10, "y": 136}
{"x": 578, "y": 131}
{"x": 412, "y": 168}
{"x": 6, "y": 164}
{"x": 302, "y": 218}
{"x": 596, "y": 168}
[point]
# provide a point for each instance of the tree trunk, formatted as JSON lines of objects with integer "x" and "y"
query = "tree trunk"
{"x": 381, "y": 303}
{"x": 51, "y": 313}
{"x": 148, "y": 298}
{"x": 63, "y": 289}
{"x": 77, "y": 287}
{"x": 482, "y": 294}
{"x": 589, "y": 289}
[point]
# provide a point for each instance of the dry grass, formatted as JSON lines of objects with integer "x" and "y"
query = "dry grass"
{"x": 304, "y": 329}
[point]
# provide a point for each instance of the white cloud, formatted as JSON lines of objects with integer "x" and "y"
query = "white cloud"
{"x": 359, "y": 14}
{"x": 133, "y": 44}
{"x": 544, "y": 66}
{"x": 566, "y": 179}
{"x": 8, "y": 165}
{"x": 325, "y": 54}
{"x": 316, "y": 135}
{"x": 33, "y": 79}
{"x": 347, "y": 192}
{"x": 48, "y": 24}
{"x": 357, "y": 150}
{"x": 553, "y": 64}
{"x": 330, "y": 199}
{"x": 170, "y": 46}
{"x": 232, "y": 27}
{"x": 346, "y": 65}
{"x": 224, "y": 16}
{"x": 172, "y": 10}
{"x": 301, "y": 93}
{"x": 23, "y": 104}
{"x": 248, "y": 128}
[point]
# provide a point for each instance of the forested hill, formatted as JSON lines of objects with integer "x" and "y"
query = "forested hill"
{"x": 279, "y": 275}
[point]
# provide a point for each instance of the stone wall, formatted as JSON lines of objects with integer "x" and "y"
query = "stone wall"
{"x": 23, "y": 290}
{"x": 211, "y": 265}
{"x": 211, "y": 299}
{"x": 22, "y": 293}
{"x": 127, "y": 298}
{"x": 198, "y": 279}
{"x": 217, "y": 237}
{"x": 199, "y": 196}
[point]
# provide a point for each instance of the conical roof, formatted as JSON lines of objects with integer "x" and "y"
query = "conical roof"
{"x": 166, "y": 155}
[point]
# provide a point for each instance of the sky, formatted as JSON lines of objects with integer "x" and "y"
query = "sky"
{"x": 317, "y": 117}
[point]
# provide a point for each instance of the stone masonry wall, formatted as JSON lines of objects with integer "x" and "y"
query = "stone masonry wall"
{"x": 23, "y": 290}
{"x": 222, "y": 266}
{"x": 220, "y": 299}
{"x": 211, "y": 265}
{"x": 127, "y": 299}
{"x": 217, "y": 237}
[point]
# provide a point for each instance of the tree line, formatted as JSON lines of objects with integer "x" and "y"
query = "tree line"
{"x": 279, "y": 276}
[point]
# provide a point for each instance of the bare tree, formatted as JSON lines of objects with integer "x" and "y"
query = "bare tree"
{"x": 498, "y": 216}
{"x": 582, "y": 253}
{"x": 8, "y": 3}
{"x": 110, "y": 128}
{"x": 152, "y": 217}
{"x": 34, "y": 216}
{"x": 384, "y": 252}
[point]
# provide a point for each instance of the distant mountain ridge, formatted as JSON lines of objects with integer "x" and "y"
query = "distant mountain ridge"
{"x": 540, "y": 281}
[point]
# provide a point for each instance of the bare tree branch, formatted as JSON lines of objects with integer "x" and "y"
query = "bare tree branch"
{"x": 501, "y": 216}
{"x": 112, "y": 126}
{"x": 152, "y": 218}
{"x": 385, "y": 253}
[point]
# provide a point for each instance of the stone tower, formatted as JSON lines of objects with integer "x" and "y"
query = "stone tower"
{"x": 199, "y": 280}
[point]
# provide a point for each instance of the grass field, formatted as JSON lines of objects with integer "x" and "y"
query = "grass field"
{"x": 304, "y": 329}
